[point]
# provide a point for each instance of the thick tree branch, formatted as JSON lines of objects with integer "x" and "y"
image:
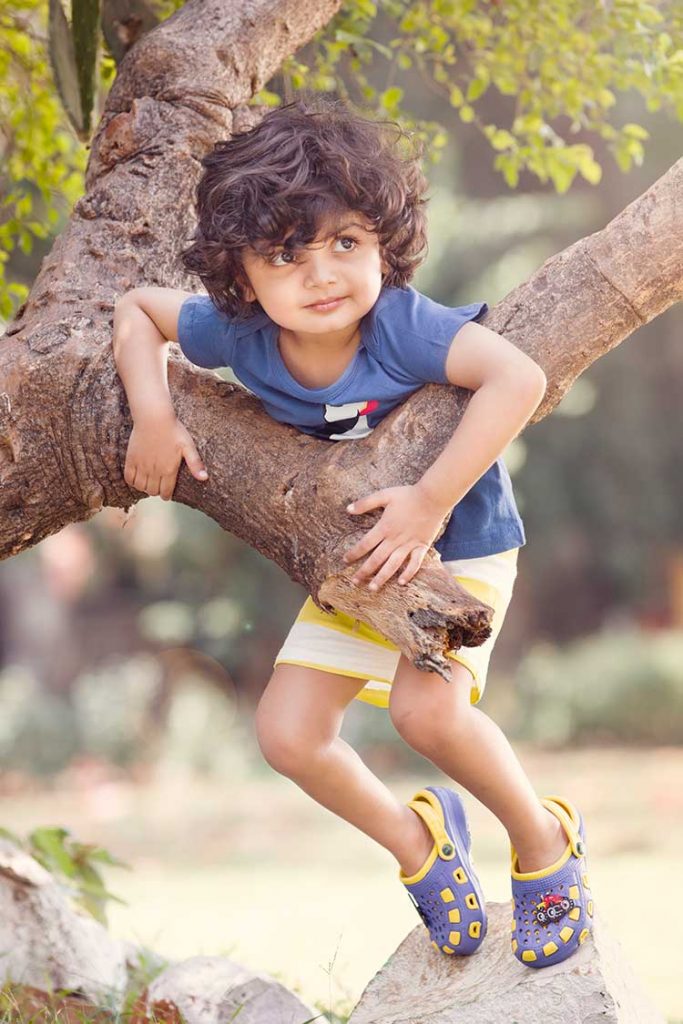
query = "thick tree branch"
{"x": 64, "y": 422}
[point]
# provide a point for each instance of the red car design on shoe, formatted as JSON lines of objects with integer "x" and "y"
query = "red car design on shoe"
{"x": 552, "y": 907}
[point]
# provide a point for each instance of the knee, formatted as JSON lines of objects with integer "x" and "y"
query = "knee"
{"x": 429, "y": 724}
{"x": 281, "y": 746}
{"x": 415, "y": 725}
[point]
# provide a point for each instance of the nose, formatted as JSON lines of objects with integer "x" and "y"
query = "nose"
{"x": 319, "y": 268}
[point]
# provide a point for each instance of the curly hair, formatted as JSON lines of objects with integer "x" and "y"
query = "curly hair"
{"x": 301, "y": 163}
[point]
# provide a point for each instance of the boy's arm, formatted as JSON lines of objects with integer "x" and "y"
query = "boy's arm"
{"x": 145, "y": 319}
{"x": 508, "y": 387}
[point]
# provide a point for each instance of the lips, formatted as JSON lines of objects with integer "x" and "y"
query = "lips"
{"x": 326, "y": 302}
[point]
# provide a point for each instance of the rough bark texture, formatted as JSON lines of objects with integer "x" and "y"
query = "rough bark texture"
{"x": 64, "y": 422}
{"x": 418, "y": 985}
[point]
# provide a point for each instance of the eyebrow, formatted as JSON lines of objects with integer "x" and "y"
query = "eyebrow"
{"x": 331, "y": 234}
{"x": 345, "y": 227}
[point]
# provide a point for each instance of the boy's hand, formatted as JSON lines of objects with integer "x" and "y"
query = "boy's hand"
{"x": 407, "y": 527}
{"x": 157, "y": 446}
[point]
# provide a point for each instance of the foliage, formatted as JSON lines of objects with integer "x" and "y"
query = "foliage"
{"x": 44, "y": 153}
{"x": 562, "y": 59}
{"x": 618, "y": 686}
{"x": 143, "y": 966}
{"x": 120, "y": 713}
{"x": 39, "y": 153}
{"x": 73, "y": 864}
{"x": 566, "y": 58}
{"x": 74, "y": 54}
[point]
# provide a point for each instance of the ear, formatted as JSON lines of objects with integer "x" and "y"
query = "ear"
{"x": 248, "y": 293}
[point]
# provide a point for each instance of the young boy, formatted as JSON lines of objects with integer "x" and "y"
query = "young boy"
{"x": 310, "y": 227}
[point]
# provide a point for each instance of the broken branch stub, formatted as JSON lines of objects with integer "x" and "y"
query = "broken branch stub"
{"x": 64, "y": 422}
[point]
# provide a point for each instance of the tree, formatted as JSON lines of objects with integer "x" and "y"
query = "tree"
{"x": 64, "y": 423}
{"x": 567, "y": 60}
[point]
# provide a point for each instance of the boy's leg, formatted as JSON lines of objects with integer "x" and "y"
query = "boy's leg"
{"x": 437, "y": 719}
{"x": 297, "y": 726}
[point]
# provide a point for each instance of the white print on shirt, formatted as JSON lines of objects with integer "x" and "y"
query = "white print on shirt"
{"x": 349, "y": 421}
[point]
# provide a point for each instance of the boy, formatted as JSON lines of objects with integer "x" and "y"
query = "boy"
{"x": 310, "y": 227}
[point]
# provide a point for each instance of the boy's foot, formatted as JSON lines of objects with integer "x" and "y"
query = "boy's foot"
{"x": 549, "y": 846}
{"x": 552, "y": 907}
{"x": 445, "y": 890}
{"x": 419, "y": 840}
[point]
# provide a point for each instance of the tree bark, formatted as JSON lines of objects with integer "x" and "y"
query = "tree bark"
{"x": 64, "y": 421}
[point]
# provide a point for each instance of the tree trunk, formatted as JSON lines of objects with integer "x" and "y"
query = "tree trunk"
{"x": 64, "y": 422}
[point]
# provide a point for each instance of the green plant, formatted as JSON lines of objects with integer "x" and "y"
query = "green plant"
{"x": 619, "y": 685}
{"x": 73, "y": 865}
{"x": 561, "y": 66}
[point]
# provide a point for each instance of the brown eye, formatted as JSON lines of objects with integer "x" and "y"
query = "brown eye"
{"x": 348, "y": 238}
{"x": 285, "y": 252}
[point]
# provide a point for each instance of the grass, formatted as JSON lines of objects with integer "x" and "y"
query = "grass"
{"x": 251, "y": 868}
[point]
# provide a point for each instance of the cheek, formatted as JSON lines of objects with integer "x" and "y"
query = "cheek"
{"x": 278, "y": 297}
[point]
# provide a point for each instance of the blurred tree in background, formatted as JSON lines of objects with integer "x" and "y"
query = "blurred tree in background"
{"x": 535, "y": 123}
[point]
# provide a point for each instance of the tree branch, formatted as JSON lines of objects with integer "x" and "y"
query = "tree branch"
{"x": 64, "y": 421}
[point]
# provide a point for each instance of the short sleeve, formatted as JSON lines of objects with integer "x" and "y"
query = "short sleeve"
{"x": 205, "y": 335}
{"x": 413, "y": 334}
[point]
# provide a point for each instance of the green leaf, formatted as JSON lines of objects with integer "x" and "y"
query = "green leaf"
{"x": 455, "y": 96}
{"x": 508, "y": 165}
{"x": 391, "y": 97}
{"x": 635, "y": 131}
{"x": 63, "y": 58}
{"x": 502, "y": 139}
{"x": 561, "y": 172}
{"x": 85, "y": 29}
{"x": 476, "y": 88}
{"x": 591, "y": 172}
{"x": 49, "y": 842}
{"x": 97, "y": 853}
{"x": 366, "y": 8}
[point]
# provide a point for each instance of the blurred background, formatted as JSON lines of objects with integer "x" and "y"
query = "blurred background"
{"x": 134, "y": 648}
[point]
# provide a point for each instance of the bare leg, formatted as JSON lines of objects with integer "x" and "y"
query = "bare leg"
{"x": 437, "y": 719}
{"x": 297, "y": 725}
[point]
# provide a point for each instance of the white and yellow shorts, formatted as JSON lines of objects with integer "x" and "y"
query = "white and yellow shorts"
{"x": 338, "y": 643}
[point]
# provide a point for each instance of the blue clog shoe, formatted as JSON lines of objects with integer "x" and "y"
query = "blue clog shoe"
{"x": 553, "y": 908}
{"x": 445, "y": 891}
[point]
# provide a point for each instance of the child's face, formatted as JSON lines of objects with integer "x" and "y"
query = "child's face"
{"x": 347, "y": 265}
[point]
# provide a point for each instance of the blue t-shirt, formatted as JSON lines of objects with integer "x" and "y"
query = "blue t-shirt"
{"x": 405, "y": 339}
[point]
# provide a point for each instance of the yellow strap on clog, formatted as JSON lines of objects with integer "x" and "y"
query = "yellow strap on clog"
{"x": 428, "y": 807}
{"x": 568, "y": 817}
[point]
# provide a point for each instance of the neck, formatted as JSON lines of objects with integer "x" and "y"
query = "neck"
{"x": 334, "y": 341}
